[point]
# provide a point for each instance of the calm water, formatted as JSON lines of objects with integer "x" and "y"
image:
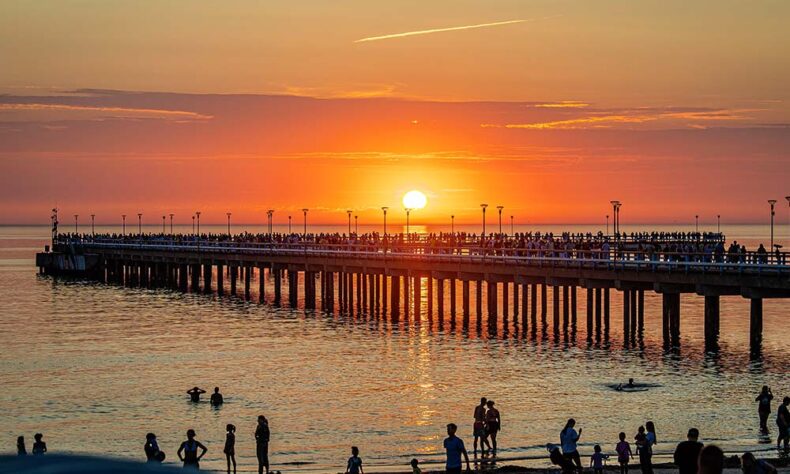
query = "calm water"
{"x": 96, "y": 367}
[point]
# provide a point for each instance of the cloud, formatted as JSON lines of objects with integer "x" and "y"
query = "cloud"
{"x": 438, "y": 30}
{"x": 564, "y": 104}
{"x": 52, "y": 112}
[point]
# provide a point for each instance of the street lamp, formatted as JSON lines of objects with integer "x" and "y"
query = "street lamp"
{"x": 228, "y": 214}
{"x": 385, "y": 219}
{"x": 616, "y": 215}
{"x": 193, "y": 224}
{"x": 511, "y": 226}
{"x": 289, "y": 224}
{"x": 408, "y": 210}
{"x": 197, "y": 213}
{"x": 123, "y": 217}
{"x": 270, "y": 214}
{"x": 718, "y": 223}
{"x": 356, "y": 225}
{"x": 452, "y": 224}
{"x": 139, "y": 223}
{"x": 171, "y": 223}
{"x": 772, "y": 202}
{"x": 163, "y": 224}
{"x": 696, "y": 223}
{"x": 484, "y": 206}
{"x": 349, "y": 222}
{"x": 93, "y": 220}
{"x": 607, "y": 224}
{"x": 304, "y": 211}
{"x": 499, "y": 208}
{"x": 76, "y": 225}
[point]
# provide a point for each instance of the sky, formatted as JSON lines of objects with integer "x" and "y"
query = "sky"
{"x": 551, "y": 108}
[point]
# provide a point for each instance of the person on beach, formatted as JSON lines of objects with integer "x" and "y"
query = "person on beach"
{"x": 597, "y": 459}
{"x": 624, "y": 454}
{"x": 195, "y": 393}
{"x": 20, "y": 446}
{"x": 752, "y": 465}
{"x": 687, "y": 453}
{"x": 493, "y": 424}
{"x": 711, "y": 460}
{"x": 783, "y": 423}
{"x": 479, "y": 429}
{"x": 415, "y": 466}
{"x": 39, "y": 446}
{"x": 764, "y": 407}
{"x": 454, "y": 447}
{"x": 558, "y": 459}
{"x": 230, "y": 446}
{"x": 262, "y": 435}
{"x": 188, "y": 451}
{"x": 354, "y": 465}
{"x": 216, "y": 398}
{"x": 568, "y": 439}
{"x": 151, "y": 448}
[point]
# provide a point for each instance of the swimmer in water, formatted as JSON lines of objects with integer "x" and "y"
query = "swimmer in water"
{"x": 216, "y": 397}
{"x": 195, "y": 393}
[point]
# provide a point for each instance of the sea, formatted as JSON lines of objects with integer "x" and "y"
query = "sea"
{"x": 94, "y": 367}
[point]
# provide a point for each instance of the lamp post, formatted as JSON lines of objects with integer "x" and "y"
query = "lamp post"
{"x": 193, "y": 224}
{"x": 356, "y": 225}
{"x": 616, "y": 215}
{"x": 93, "y": 221}
{"x": 228, "y": 214}
{"x": 289, "y": 224}
{"x": 197, "y": 213}
{"x": 607, "y": 224}
{"x": 718, "y": 223}
{"x": 696, "y": 223}
{"x": 171, "y": 223}
{"x": 483, "y": 235}
{"x": 384, "y": 209}
{"x": 304, "y": 211}
{"x": 349, "y": 222}
{"x": 139, "y": 223}
{"x": 270, "y": 215}
{"x": 123, "y": 218}
{"x": 76, "y": 225}
{"x": 511, "y": 226}
{"x": 163, "y": 224}
{"x": 772, "y": 202}
{"x": 499, "y": 208}
{"x": 408, "y": 211}
{"x": 452, "y": 224}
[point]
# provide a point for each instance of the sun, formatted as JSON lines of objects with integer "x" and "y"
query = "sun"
{"x": 414, "y": 200}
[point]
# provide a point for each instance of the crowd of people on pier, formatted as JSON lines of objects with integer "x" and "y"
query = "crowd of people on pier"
{"x": 648, "y": 247}
{"x": 690, "y": 456}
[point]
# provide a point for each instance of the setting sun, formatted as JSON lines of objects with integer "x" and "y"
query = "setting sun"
{"x": 414, "y": 200}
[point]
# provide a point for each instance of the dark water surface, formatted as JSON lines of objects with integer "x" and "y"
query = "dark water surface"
{"x": 95, "y": 367}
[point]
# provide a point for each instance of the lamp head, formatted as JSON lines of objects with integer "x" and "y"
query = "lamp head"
{"x": 348, "y": 212}
{"x": 500, "y": 208}
{"x": 384, "y": 208}
{"x": 772, "y": 202}
{"x": 484, "y": 206}
{"x": 788, "y": 199}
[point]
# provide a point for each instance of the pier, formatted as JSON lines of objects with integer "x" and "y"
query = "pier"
{"x": 391, "y": 276}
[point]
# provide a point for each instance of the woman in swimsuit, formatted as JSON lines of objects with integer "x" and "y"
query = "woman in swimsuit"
{"x": 493, "y": 423}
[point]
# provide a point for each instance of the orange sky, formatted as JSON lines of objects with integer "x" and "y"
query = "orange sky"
{"x": 550, "y": 108}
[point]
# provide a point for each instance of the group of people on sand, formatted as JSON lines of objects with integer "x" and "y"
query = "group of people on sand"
{"x": 488, "y": 422}
{"x": 782, "y": 416}
{"x": 39, "y": 446}
{"x": 191, "y": 451}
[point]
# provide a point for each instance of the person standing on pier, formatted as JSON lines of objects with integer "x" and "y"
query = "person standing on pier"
{"x": 454, "y": 446}
{"x": 195, "y": 393}
{"x": 764, "y": 407}
{"x": 783, "y": 423}
{"x": 480, "y": 428}
{"x": 568, "y": 439}
{"x": 262, "y": 435}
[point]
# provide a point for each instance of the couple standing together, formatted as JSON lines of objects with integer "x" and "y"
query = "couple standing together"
{"x": 487, "y": 424}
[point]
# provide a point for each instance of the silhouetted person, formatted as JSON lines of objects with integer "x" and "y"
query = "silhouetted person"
{"x": 597, "y": 459}
{"x": 230, "y": 447}
{"x": 151, "y": 448}
{"x": 454, "y": 447}
{"x": 216, "y": 398}
{"x": 354, "y": 464}
{"x": 783, "y": 423}
{"x": 415, "y": 466}
{"x": 764, "y": 407}
{"x": 556, "y": 457}
{"x": 262, "y": 435}
{"x": 624, "y": 453}
{"x": 479, "y": 428}
{"x": 711, "y": 460}
{"x": 752, "y": 465}
{"x": 687, "y": 453}
{"x": 39, "y": 446}
{"x": 189, "y": 448}
{"x": 195, "y": 393}
{"x": 568, "y": 438}
{"x": 630, "y": 383}
{"x": 493, "y": 423}
{"x": 20, "y": 446}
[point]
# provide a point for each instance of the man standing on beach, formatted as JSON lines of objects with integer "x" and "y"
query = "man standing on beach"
{"x": 479, "y": 429}
{"x": 262, "y": 444}
{"x": 687, "y": 453}
{"x": 455, "y": 447}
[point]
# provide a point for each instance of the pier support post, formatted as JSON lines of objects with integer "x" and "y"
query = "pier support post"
{"x": 590, "y": 307}
{"x": 491, "y": 294}
{"x": 293, "y": 287}
{"x": 524, "y": 304}
{"x": 671, "y": 318}
{"x": 430, "y": 296}
{"x": 566, "y": 308}
{"x": 417, "y": 286}
{"x": 220, "y": 281}
{"x": 626, "y": 314}
{"x": 233, "y": 272}
{"x": 277, "y": 285}
{"x": 453, "y": 298}
{"x": 465, "y": 299}
{"x": 515, "y": 302}
{"x": 195, "y": 278}
{"x": 756, "y": 324}
{"x": 479, "y": 299}
{"x": 182, "y": 277}
{"x": 573, "y": 307}
{"x": 207, "y": 270}
{"x": 640, "y": 316}
{"x": 711, "y": 321}
{"x": 533, "y": 309}
{"x": 395, "y": 294}
{"x": 262, "y": 284}
{"x": 555, "y": 308}
{"x": 440, "y": 297}
{"x": 598, "y": 311}
{"x": 544, "y": 302}
{"x": 606, "y": 311}
{"x": 505, "y": 298}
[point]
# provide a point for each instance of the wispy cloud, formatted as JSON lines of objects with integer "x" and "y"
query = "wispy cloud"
{"x": 38, "y": 111}
{"x": 438, "y": 30}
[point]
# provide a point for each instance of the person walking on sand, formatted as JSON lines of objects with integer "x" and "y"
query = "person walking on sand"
{"x": 189, "y": 448}
{"x": 687, "y": 453}
{"x": 195, "y": 393}
{"x": 783, "y": 423}
{"x": 262, "y": 435}
{"x": 454, "y": 447}
{"x": 39, "y": 446}
{"x": 479, "y": 429}
{"x": 354, "y": 464}
{"x": 568, "y": 439}
{"x": 230, "y": 446}
{"x": 493, "y": 423}
{"x": 624, "y": 453}
{"x": 764, "y": 407}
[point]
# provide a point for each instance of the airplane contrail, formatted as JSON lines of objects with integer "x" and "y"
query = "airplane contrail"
{"x": 437, "y": 30}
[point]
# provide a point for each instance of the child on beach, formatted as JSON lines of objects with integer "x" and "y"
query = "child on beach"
{"x": 624, "y": 454}
{"x": 415, "y": 466}
{"x": 39, "y": 446}
{"x": 20, "y": 446}
{"x": 597, "y": 459}
{"x": 354, "y": 462}
{"x": 230, "y": 447}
